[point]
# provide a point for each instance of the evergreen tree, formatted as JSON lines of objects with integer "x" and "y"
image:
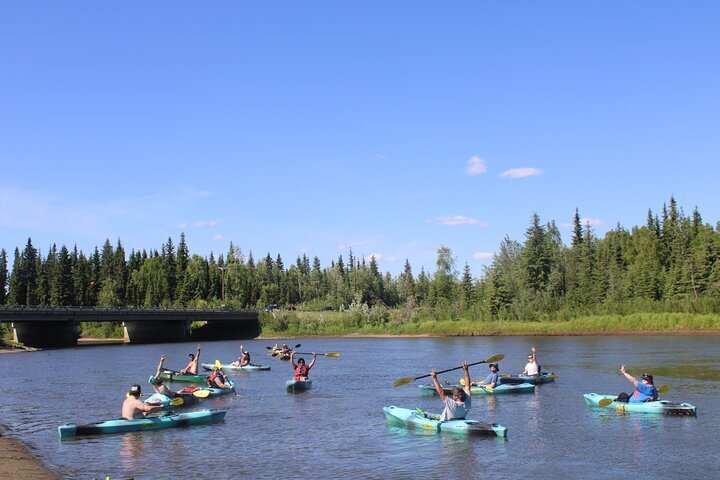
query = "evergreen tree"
{"x": 3, "y": 277}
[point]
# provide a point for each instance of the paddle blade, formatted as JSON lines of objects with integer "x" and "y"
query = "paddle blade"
{"x": 269, "y": 348}
{"x": 403, "y": 381}
{"x": 297, "y": 346}
{"x": 177, "y": 401}
{"x": 201, "y": 393}
{"x": 488, "y": 388}
{"x": 604, "y": 402}
{"x": 495, "y": 358}
{"x": 553, "y": 376}
{"x": 332, "y": 354}
{"x": 218, "y": 364}
{"x": 663, "y": 388}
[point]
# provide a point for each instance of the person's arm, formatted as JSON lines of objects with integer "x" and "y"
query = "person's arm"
{"x": 160, "y": 365}
{"x": 468, "y": 383}
{"x": 438, "y": 388}
{"x": 313, "y": 360}
{"x": 147, "y": 408}
{"x": 197, "y": 355}
{"x": 630, "y": 378}
{"x": 534, "y": 355}
{"x": 292, "y": 360}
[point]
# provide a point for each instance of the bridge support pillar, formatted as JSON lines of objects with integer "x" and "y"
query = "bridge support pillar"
{"x": 156, "y": 331}
{"x": 46, "y": 334}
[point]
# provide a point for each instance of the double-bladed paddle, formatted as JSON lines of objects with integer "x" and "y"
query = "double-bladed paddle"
{"x": 329, "y": 354}
{"x": 405, "y": 380}
{"x": 604, "y": 402}
{"x": 272, "y": 348}
{"x": 488, "y": 388}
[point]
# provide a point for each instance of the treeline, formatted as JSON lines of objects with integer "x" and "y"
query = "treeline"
{"x": 672, "y": 264}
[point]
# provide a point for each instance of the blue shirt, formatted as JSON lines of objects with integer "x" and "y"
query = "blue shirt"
{"x": 492, "y": 379}
{"x": 643, "y": 392}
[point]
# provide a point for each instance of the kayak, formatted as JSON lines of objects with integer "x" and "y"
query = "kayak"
{"x": 217, "y": 391}
{"x": 164, "y": 400}
{"x": 429, "y": 421}
{"x": 248, "y": 368}
{"x": 663, "y": 407}
{"x": 173, "y": 376}
{"x": 498, "y": 390}
{"x": 284, "y": 356}
{"x": 295, "y": 386}
{"x": 535, "y": 379}
{"x": 142, "y": 424}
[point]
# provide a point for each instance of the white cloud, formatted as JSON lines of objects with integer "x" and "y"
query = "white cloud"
{"x": 476, "y": 166}
{"x": 483, "y": 255}
{"x": 454, "y": 220}
{"x": 218, "y": 236}
{"x": 206, "y": 223}
{"x": 182, "y": 225}
{"x": 514, "y": 173}
{"x": 354, "y": 244}
{"x": 379, "y": 257}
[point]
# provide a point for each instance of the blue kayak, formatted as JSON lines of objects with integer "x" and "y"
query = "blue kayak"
{"x": 294, "y": 386}
{"x": 431, "y": 422}
{"x": 662, "y": 407}
{"x": 142, "y": 424}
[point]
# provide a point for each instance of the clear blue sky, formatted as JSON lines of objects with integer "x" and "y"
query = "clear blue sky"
{"x": 389, "y": 127}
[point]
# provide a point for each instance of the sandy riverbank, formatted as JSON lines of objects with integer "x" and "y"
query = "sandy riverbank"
{"x": 18, "y": 463}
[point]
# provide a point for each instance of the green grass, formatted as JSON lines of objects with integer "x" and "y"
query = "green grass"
{"x": 398, "y": 323}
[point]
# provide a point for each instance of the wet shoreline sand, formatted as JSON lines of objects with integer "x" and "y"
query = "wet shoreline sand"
{"x": 18, "y": 462}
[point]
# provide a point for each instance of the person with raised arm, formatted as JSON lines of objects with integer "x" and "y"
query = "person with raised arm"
{"x": 458, "y": 404}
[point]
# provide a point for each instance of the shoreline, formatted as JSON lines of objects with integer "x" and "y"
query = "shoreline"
{"x": 18, "y": 462}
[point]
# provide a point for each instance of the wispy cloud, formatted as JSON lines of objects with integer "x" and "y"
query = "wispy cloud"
{"x": 218, "y": 236}
{"x": 206, "y": 223}
{"x": 593, "y": 222}
{"x": 483, "y": 255}
{"x": 182, "y": 225}
{"x": 454, "y": 220}
{"x": 379, "y": 257}
{"x": 476, "y": 166}
{"x": 345, "y": 245}
{"x": 515, "y": 173}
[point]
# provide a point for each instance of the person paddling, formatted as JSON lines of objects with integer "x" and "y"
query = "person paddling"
{"x": 217, "y": 379}
{"x": 192, "y": 366}
{"x": 645, "y": 390}
{"x": 532, "y": 369}
{"x": 157, "y": 383}
{"x": 493, "y": 379}
{"x": 458, "y": 404}
{"x": 133, "y": 408}
{"x": 244, "y": 360}
{"x": 301, "y": 370}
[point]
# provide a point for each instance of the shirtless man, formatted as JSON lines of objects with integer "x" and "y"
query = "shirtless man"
{"x": 192, "y": 366}
{"x": 133, "y": 408}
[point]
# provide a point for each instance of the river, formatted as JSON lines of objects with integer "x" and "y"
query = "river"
{"x": 338, "y": 430}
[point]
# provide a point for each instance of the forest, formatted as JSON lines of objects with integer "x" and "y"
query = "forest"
{"x": 670, "y": 264}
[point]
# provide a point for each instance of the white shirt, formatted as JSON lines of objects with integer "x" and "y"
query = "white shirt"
{"x": 531, "y": 369}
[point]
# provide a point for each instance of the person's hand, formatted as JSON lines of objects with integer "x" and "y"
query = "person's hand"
{"x": 313, "y": 354}
{"x": 433, "y": 374}
{"x": 532, "y": 349}
{"x": 622, "y": 369}
{"x": 199, "y": 347}
{"x": 465, "y": 365}
{"x": 162, "y": 357}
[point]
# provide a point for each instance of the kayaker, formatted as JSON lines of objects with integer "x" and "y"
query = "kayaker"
{"x": 157, "y": 383}
{"x": 493, "y": 379}
{"x": 285, "y": 349}
{"x": 458, "y": 404}
{"x": 133, "y": 408}
{"x": 245, "y": 359}
{"x": 645, "y": 390}
{"x": 301, "y": 370}
{"x": 192, "y": 366}
{"x": 217, "y": 379}
{"x": 531, "y": 369}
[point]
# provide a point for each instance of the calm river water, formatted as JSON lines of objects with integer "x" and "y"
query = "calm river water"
{"x": 337, "y": 429}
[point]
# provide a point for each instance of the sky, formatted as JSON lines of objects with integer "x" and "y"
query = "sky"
{"x": 388, "y": 128}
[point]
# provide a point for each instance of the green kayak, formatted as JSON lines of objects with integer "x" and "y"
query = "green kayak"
{"x": 662, "y": 407}
{"x": 429, "y": 421}
{"x": 142, "y": 424}
{"x": 498, "y": 390}
{"x": 173, "y": 376}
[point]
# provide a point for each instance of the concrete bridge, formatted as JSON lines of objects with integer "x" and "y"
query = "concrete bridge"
{"x": 57, "y": 326}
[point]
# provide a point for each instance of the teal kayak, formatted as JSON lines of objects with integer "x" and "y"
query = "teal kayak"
{"x": 535, "y": 379}
{"x": 173, "y": 376}
{"x": 230, "y": 368}
{"x": 295, "y": 386}
{"x": 429, "y": 421}
{"x": 663, "y": 407}
{"x": 216, "y": 391}
{"x": 498, "y": 390}
{"x": 164, "y": 400}
{"x": 142, "y": 424}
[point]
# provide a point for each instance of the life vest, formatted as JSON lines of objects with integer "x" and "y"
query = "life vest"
{"x": 302, "y": 371}
{"x": 213, "y": 376}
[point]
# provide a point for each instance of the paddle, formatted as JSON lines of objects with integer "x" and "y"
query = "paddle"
{"x": 405, "y": 380}
{"x": 329, "y": 354}
{"x": 604, "y": 402}
{"x": 177, "y": 401}
{"x": 272, "y": 348}
{"x": 202, "y": 393}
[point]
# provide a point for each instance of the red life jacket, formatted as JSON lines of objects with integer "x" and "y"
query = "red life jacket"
{"x": 302, "y": 371}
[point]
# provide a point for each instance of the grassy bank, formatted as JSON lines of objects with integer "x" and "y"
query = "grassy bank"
{"x": 347, "y": 323}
